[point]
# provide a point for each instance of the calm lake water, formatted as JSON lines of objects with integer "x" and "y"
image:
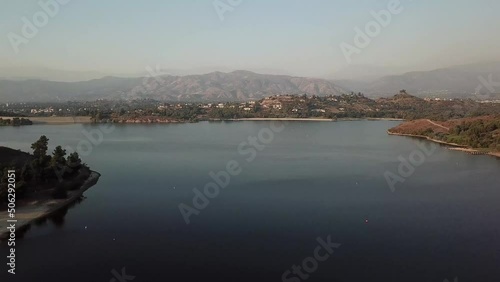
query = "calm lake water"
{"x": 315, "y": 179}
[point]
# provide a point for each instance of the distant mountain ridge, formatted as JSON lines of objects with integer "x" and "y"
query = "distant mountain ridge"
{"x": 453, "y": 82}
{"x": 233, "y": 86}
{"x": 456, "y": 80}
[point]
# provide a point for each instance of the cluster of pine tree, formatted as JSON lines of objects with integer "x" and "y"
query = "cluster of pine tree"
{"x": 54, "y": 174}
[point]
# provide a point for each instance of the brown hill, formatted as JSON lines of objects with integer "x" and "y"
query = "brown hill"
{"x": 233, "y": 86}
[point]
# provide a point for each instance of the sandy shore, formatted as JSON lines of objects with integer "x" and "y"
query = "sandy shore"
{"x": 476, "y": 152}
{"x": 39, "y": 209}
{"x": 372, "y": 119}
{"x": 427, "y": 138}
{"x": 316, "y": 119}
{"x": 456, "y": 147}
{"x": 467, "y": 150}
{"x": 59, "y": 120}
{"x": 494, "y": 154}
{"x": 282, "y": 119}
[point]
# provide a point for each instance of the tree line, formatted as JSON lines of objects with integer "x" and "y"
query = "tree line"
{"x": 15, "y": 122}
{"x": 41, "y": 173}
{"x": 483, "y": 133}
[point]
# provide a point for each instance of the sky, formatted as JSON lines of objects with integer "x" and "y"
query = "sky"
{"x": 298, "y": 37}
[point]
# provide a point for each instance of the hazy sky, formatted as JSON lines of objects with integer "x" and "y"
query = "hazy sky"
{"x": 300, "y": 37}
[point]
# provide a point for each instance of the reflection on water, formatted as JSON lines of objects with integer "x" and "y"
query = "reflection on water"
{"x": 56, "y": 218}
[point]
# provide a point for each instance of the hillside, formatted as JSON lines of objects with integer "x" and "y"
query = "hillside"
{"x": 475, "y": 132}
{"x": 10, "y": 156}
{"x": 233, "y": 86}
{"x": 400, "y": 106}
{"x": 453, "y": 81}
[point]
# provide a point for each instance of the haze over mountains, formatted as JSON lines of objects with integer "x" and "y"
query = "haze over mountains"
{"x": 454, "y": 81}
{"x": 457, "y": 81}
{"x": 237, "y": 85}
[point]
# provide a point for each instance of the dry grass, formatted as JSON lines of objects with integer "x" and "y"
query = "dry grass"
{"x": 418, "y": 126}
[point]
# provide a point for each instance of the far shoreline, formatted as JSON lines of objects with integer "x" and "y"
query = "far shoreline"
{"x": 57, "y": 120}
{"x": 280, "y": 119}
{"x": 87, "y": 120}
{"x": 316, "y": 119}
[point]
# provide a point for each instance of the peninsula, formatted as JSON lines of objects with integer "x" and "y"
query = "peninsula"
{"x": 33, "y": 186}
{"x": 474, "y": 135}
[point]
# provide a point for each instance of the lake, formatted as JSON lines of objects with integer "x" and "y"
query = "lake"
{"x": 308, "y": 182}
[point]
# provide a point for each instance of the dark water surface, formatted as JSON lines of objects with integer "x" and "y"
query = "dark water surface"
{"x": 313, "y": 180}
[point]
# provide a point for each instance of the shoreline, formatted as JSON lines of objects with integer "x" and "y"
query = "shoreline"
{"x": 126, "y": 122}
{"x": 280, "y": 119}
{"x": 454, "y": 146}
{"x": 316, "y": 119}
{"x": 476, "y": 152}
{"x": 87, "y": 120}
{"x": 56, "y": 120}
{"x": 27, "y": 214}
{"x": 371, "y": 119}
{"x": 427, "y": 138}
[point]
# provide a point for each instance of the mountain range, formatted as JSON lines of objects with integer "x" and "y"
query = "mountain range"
{"x": 457, "y": 81}
{"x": 236, "y": 85}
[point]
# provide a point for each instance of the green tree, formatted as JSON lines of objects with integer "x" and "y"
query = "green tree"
{"x": 74, "y": 160}
{"x": 40, "y": 147}
{"x": 58, "y": 157}
{"x": 27, "y": 172}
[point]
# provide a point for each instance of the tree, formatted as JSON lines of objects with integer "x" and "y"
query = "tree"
{"x": 27, "y": 172}
{"x": 40, "y": 147}
{"x": 74, "y": 160}
{"x": 58, "y": 157}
